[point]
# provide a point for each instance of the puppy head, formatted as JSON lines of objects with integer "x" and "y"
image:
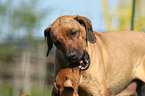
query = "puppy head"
{"x": 69, "y": 34}
{"x": 66, "y": 83}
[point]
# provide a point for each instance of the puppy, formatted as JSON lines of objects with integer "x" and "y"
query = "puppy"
{"x": 67, "y": 82}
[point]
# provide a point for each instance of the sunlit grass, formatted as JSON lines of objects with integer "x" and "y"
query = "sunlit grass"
{"x": 6, "y": 90}
{"x": 37, "y": 92}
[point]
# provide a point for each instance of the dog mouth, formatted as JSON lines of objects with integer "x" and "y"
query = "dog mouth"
{"x": 84, "y": 62}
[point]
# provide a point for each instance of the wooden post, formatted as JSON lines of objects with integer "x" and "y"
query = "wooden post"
{"x": 133, "y": 14}
{"x": 16, "y": 83}
{"x": 26, "y": 73}
{"x": 41, "y": 68}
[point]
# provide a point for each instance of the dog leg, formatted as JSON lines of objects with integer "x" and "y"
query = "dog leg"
{"x": 130, "y": 90}
{"x": 139, "y": 86}
{"x": 139, "y": 72}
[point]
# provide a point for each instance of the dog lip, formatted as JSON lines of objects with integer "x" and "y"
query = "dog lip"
{"x": 84, "y": 64}
{"x": 84, "y": 61}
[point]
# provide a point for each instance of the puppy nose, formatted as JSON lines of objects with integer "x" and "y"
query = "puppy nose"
{"x": 71, "y": 55}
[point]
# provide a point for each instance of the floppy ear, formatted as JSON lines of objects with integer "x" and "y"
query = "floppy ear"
{"x": 88, "y": 26}
{"x": 48, "y": 39}
{"x": 68, "y": 83}
{"x": 68, "y": 88}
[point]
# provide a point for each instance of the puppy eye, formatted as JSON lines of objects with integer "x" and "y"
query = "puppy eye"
{"x": 66, "y": 78}
{"x": 73, "y": 34}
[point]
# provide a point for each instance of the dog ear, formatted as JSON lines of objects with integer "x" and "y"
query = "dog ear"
{"x": 68, "y": 83}
{"x": 68, "y": 88}
{"x": 48, "y": 39}
{"x": 88, "y": 26}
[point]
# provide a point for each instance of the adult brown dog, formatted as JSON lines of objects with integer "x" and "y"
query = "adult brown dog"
{"x": 117, "y": 58}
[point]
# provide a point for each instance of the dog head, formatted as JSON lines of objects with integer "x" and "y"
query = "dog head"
{"x": 69, "y": 34}
{"x": 66, "y": 83}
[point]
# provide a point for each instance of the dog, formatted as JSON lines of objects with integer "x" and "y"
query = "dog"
{"x": 117, "y": 58}
{"x": 67, "y": 82}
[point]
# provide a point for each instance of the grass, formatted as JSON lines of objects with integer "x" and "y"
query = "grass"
{"x": 6, "y": 90}
{"x": 37, "y": 92}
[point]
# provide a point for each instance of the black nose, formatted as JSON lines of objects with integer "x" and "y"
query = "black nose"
{"x": 71, "y": 55}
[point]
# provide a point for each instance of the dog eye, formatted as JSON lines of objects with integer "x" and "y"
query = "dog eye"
{"x": 66, "y": 78}
{"x": 73, "y": 34}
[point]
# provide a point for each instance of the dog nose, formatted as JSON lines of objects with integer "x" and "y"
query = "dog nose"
{"x": 71, "y": 55}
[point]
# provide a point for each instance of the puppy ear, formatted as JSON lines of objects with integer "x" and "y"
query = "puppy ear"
{"x": 68, "y": 88}
{"x": 68, "y": 83}
{"x": 88, "y": 26}
{"x": 48, "y": 39}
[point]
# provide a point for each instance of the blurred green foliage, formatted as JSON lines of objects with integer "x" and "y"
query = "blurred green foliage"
{"x": 24, "y": 18}
{"x": 6, "y": 52}
{"x": 120, "y": 17}
{"x": 19, "y": 25}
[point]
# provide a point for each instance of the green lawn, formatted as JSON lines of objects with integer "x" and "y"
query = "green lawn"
{"x": 8, "y": 91}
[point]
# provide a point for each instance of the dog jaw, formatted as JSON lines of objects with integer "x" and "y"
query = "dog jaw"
{"x": 83, "y": 62}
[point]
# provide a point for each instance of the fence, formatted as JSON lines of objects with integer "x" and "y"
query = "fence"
{"x": 28, "y": 69}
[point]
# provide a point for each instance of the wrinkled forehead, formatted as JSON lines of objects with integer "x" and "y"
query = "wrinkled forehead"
{"x": 64, "y": 25}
